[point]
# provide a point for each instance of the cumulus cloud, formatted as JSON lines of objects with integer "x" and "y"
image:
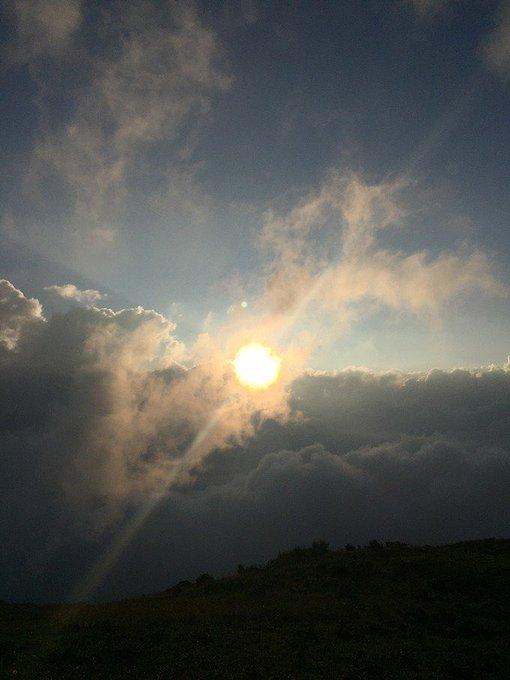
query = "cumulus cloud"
{"x": 17, "y": 312}
{"x": 497, "y": 47}
{"x": 70, "y": 292}
{"x": 98, "y": 417}
{"x": 102, "y": 397}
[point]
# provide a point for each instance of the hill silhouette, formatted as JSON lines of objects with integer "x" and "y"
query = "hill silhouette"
{"x": 381, "y": 611}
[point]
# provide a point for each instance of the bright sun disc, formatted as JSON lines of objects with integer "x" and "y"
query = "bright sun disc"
{"x": 256, "y": 366}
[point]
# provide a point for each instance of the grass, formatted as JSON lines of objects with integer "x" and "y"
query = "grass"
{"x": 374, "y": 612}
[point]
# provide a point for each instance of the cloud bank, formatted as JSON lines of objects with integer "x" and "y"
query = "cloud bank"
{"x": 98, "y": 416}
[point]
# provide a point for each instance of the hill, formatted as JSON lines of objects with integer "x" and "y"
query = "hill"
{"x": 382, "y": 611}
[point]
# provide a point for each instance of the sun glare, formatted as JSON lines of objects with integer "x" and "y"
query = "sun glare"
{"x": 256, "y": 366}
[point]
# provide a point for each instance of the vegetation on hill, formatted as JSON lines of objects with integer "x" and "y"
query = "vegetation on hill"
{"x": 382, "y": 611}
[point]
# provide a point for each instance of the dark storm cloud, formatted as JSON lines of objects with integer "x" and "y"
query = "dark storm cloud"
{"x": 464, "y": 405}
{"x": 395, "y": 456}
{"x": 417, "y": 489}
{"x": 95, "y": 415}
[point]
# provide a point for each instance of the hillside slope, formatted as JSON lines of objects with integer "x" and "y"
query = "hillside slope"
{"x": 375, "y": 612}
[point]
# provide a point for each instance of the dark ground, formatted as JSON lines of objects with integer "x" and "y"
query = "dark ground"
{"x": 376, "y": 612}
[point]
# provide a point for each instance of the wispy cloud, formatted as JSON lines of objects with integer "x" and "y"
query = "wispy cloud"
{"x": 325, "y": 254}
{"x": 147, "y": 87}
{"x": 44, "y": 27}
{"x": 497, "y": 47}
{"x": 428, "y": 8}
{"x": 163, "y": 72}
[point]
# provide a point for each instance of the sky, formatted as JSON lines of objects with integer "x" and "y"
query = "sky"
{"x": 180, "y": 179}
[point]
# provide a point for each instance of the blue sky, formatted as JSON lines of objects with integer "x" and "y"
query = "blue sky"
{"x": 255, "y": 105}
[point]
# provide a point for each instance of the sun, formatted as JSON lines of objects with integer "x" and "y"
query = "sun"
{"x": 256, "y": 366}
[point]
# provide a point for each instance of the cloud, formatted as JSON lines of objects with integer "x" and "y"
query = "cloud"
{"x": 70, "y": 292}
{"x": 160, "y": 72}
{"x": 326, "y": 253}
{"x": 346, "y": 472}
{"x": 98, "y": 418}
{"x": 463, "y": 405}
{"x": 121, "y": 100}
{"x": 497, "y": 46}
{"x": 17, "y": 313}
{"x": 411, "y": 490}
{"x": 427, "y": 8}
{"x": 102, "y": 398}
{"x": 45, "y": 27}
